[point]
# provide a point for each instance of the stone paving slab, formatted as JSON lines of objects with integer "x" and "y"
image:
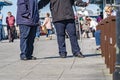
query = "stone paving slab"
{"x": 49, "y": 66}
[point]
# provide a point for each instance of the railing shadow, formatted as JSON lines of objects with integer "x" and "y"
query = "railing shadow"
{"x": 54, "y": 57}
{"x": 69, "y": 56}
{"x": 92, "y": 55}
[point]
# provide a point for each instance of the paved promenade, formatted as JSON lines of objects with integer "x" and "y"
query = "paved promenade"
{"x": 49, "y": 66}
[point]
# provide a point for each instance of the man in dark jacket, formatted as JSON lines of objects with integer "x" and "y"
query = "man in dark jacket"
{"x": 27, "y": 20}
{"x": 63, "y": 19}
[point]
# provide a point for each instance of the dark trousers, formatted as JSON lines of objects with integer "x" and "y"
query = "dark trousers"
{"x": 11, "y": 33}
{"x": 69, "y": 26}
{"x": 93, "y": 31}
{"x": 27, "y": 36}
{"x": 1, "y": 33}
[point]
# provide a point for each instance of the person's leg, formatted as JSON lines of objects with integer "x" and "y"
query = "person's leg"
{"x": 47, "y": 33}
{"x": 50, "y": 34}
{"x": 83, "y": 34}
{"x": 24, "y": 33}
{"x": 30, "y": 43}
{"x": 93, "y": 32}
{"x": 87, "y": 33}
{"x": 13, "y": 33}
{"x": 97, "y": 37}
{"x": 71, "y": 29}
{"x": 38, "y": 32}
{"x": 60, "y": 30}
{"x": 9, "y": 34}
{"x": 0, "y": 34}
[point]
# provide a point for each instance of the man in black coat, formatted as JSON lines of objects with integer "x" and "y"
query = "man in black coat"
{"x": 63, "y": 19}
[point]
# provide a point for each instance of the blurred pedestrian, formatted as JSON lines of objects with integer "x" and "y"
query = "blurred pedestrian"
{"x": 27, "y": 20}
{"x": 64, "y": 20}
{"x": 10, "y": 20}
{"x": 93, "y": 24}
{"x": 1, "y": 27}
{"x": 86, "y": 27}
{"x": 98, "y": 32}
{"x": 48, "y": 25}
{"x": 38, "y": 33}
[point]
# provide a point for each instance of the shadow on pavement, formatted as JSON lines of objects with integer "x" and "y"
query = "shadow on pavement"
{"x": 91, "y": 55}
{"x": 54, "y": 57}
{"x": 69, "y": 56}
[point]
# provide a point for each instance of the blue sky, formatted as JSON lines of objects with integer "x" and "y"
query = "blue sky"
{"x": 14, "y": 7}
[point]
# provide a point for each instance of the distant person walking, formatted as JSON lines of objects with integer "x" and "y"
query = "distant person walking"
{"x": 64, "y": 20}
{"x": 27, "y": 20}
{"x": 10, "y": 20}
{"x": 98, "y": 32}
{"x": 48, "y": 25}
{"x": 93, "y": 24}
{"x": 1, "y": 27}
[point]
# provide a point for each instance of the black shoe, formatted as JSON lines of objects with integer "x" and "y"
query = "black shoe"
{"x": 79, "y": 55}
{"x": 98, "y": 48}
{"x": 63, "y": 55}
{"x": 10, "y": 41}
{"x": 23, "y": 58}
{"x": 32, "y": 58}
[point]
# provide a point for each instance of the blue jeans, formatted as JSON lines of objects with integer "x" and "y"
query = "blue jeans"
{"x": 27, "y": 36}
{"x": 38, "y": 32}
{"x": 48, "y": 32}
{"x": 97, "y": 37}
{"x": 69, "y": 26}
{"x": 1, "y": 32}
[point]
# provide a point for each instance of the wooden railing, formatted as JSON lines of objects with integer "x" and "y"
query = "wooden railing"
{"x": 108, "y": 41}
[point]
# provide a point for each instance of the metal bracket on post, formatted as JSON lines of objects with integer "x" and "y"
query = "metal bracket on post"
{"x": 78, "y": 26}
